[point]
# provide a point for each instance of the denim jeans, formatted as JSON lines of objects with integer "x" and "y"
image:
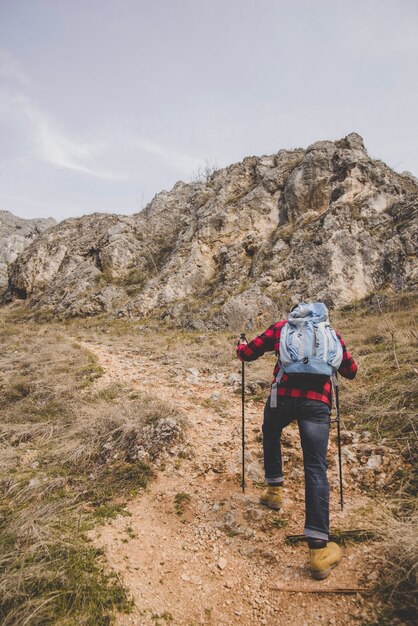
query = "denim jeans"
{"x": 314, "y": 420}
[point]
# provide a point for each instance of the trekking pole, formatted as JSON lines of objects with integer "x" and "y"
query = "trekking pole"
{"x": 243, "y": 339}
{"x": 337, "y": 419}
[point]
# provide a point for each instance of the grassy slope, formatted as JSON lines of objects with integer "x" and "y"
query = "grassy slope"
{"x": 68, "y": 460}
{"x": 58, "y": 475}
{"x": 383, "y": 333}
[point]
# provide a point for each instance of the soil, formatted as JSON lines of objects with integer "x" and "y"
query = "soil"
{"x": 213, "y": 555}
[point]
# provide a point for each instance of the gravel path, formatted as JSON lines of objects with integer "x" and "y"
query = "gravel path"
{"x": 216, "y": 557}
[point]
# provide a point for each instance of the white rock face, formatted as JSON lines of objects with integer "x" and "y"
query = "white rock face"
{"x": 15, "y": 235}
{"x": 236, "y": 250}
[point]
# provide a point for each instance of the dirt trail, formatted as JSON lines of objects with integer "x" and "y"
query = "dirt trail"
{"x": 219, "y": 560}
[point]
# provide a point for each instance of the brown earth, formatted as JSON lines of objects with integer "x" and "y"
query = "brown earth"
{"x": 195, "y": 550}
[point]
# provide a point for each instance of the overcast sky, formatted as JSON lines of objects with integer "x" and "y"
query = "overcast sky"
{"x": 104, "y": 103}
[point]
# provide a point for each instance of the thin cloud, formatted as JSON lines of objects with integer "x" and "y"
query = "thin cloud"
{"x": 55, "y": 147}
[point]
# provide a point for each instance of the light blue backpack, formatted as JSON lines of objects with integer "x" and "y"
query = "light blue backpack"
{"x": 308, "y": 345}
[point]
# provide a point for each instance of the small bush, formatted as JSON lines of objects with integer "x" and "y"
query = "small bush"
{"x": 135, "y": 277}
{"x": 278, "y": 522}
{"x": 181, "y": 499}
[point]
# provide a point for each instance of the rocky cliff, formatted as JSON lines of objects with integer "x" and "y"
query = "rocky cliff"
{"x": 327, "y": 222}
{"x": 15, "y": 235}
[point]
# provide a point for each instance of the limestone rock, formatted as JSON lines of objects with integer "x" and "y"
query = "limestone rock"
{"x": 236, "y": 250}
{"x": 374, "y": 461}
{"x": 222, "y": 563}
{"x": 16, "y": 234}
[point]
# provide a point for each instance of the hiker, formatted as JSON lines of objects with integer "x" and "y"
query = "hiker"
{"x": 304, "y": 395}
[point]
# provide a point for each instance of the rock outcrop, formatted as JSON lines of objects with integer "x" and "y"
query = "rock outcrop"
{"x": 16, "y": 234}
{"x": 327, "y": 222}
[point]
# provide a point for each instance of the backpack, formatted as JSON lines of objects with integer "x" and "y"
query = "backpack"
{"x": 308, "y": 345}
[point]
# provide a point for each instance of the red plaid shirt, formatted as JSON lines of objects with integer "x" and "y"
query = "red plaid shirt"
{"x": 306, "y": 387}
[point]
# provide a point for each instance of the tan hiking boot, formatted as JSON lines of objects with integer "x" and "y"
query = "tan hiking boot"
{"x": 323, "y": 560}
{"x": 272, "y": 497}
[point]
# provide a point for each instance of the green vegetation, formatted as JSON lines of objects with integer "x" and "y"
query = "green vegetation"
{"x": 101, "y": 280}
{"x": 136, "y": 277}
{"x": 130, "y": 532}
{"x": 278, "y": 522}
{"x": 55, "y": 576}
{"x": 181, "y": 499}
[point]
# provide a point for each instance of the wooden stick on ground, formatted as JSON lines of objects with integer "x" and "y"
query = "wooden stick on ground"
{"x": 342, "y": 590}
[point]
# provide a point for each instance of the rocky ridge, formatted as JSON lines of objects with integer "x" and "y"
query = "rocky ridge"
{"x": 16, "y": 234}
{"x": 326, "y": 222}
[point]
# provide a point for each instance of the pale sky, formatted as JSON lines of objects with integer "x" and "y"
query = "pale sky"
{"x": 104, "y": 103}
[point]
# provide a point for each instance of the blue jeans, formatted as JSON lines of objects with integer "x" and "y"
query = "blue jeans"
{"x": 314, "y": 420}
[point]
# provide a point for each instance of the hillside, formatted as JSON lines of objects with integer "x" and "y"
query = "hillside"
{"x": 234, "y": 250}
{"x": 120, "y": 478}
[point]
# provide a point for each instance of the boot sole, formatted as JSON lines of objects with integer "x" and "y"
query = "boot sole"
{"x": 325, "y": 573}
{"x": 275, "y": 507}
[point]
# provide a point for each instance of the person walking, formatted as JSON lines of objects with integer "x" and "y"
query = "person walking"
{"x": 307, "y": 398}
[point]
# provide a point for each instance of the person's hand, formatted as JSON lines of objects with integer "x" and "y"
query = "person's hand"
{"x": 242, "y": 340}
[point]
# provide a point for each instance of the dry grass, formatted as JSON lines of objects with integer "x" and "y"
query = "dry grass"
{"x": 382, "y": 334}
{"x": 397, "y": 528}
{"x": 211, "y": 352}
{"x": 70, "y": 457}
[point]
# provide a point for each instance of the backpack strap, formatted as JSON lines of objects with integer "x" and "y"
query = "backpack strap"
{"x": 283, "y": 351}
{"x": 273, "y": 394}
{"x": 315, "y": 339}
{"x": 325, "y": 343}
{"x": 302, "y": 343}
{"x": 284, "y": 354}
